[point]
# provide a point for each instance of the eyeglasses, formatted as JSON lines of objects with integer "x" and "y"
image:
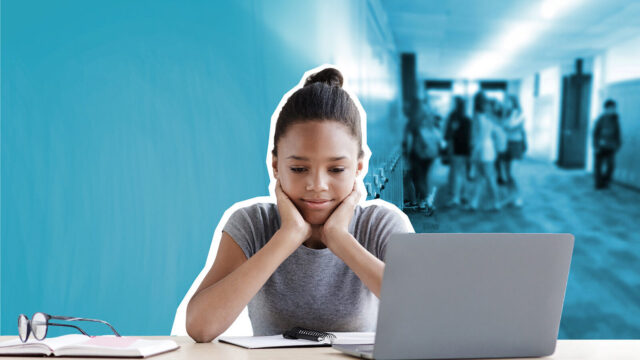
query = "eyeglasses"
{"x": 39, "y": 324}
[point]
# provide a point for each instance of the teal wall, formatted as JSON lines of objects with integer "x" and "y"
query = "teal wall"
{"x": 128, "y": 127}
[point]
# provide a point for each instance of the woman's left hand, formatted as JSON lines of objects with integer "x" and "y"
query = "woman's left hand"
{"x": 338, "y": 222}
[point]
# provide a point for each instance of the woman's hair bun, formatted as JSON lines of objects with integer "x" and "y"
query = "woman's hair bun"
{"x": 329, "y": 76}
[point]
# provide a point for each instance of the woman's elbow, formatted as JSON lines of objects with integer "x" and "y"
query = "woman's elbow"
{"x": 198, "y": 328}
{"x": 200, "y": 336}
{"x": 197, "y": 336}
{"x": 200, "y": 332}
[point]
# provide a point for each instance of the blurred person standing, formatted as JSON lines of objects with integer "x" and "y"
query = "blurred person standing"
{"x": 606, "y": 142}
{"x": 458, "y": 139}
{"x": 513, "y": 125}
{"x": 421, "y": 144}
{"x": 484, "y": 149}
{"x": 410, "y": 112}
{"x": 496, "y": 114}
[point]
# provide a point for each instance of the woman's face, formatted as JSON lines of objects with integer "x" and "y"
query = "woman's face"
{"x": 317, "y": 165}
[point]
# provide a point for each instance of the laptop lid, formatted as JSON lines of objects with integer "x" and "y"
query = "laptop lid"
{"x": 472, "y": 295}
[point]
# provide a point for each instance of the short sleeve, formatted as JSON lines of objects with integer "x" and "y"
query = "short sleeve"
{"x": 385, "y": 222}
{"x": 240, "y": 228}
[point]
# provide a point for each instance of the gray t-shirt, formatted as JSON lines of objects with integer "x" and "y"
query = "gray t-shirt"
{"x": 313, "y": 288}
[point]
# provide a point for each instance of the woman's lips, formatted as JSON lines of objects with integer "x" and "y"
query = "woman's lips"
{"x": 316, "y": 204}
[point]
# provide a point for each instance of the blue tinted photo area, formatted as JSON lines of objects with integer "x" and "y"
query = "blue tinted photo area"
{"x": 128, "y": 128}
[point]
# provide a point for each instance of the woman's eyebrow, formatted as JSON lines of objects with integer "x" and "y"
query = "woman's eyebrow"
{"x": 302, "y": 158}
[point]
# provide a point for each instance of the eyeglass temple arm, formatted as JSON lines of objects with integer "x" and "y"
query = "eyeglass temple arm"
{"x": 71, "y": 318}
{"x": 68, "y": 325}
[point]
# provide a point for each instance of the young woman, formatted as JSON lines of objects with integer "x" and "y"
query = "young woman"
{"x": 315, "y": 258}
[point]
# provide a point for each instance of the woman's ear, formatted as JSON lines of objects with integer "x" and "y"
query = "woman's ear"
{"x": 274, "y": 167}
{"x": 360, "y": 167}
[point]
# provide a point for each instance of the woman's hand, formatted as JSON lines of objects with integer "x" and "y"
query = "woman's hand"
{"x": 292, "y": 221}
{"x": 338, "y": 222}
{"x": 336, "y": 236}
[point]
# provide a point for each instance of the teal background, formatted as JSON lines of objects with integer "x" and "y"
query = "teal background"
{"x": 128, "y": 127}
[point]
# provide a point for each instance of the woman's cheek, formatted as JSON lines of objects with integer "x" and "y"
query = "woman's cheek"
{"x": 346, "y": 188}
{"x": 287, "y": 185}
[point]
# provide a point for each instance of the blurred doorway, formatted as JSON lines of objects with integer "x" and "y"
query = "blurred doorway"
{"x": 574, "y": 122}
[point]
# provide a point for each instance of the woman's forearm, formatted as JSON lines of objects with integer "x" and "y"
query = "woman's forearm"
{"x": 212, "y": 310}
{"x": 363, "y": 263}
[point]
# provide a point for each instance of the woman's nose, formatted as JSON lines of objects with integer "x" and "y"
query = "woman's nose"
{"x": 317, "y": 182}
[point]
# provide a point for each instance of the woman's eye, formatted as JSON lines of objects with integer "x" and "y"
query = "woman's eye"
{"x": 337, "y": 170}
{"x": 298, "y": 169}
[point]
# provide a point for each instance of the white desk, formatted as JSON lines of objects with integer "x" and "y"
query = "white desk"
{"x": 565, "y": 350}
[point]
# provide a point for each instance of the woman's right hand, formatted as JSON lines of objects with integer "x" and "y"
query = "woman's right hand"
{"x": 290, "y": 218}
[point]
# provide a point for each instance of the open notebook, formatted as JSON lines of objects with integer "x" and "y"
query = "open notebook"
{"x": 274, "y": 341}
{"x": 81, "y": 345}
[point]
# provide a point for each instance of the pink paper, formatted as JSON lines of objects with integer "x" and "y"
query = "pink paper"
{"x": 111, "y": 341}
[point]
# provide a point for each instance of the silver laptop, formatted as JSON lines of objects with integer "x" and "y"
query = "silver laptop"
{"x": 470, "y": 296}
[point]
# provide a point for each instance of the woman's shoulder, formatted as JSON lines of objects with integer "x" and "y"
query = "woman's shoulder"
{"x": 256, "y": 208}
{"x": 377, "y": 221}
{"x": 254, "y": 211}
{"x": 377, "y": 207}
{"x": 251, "y": 223}
{"x": 382, "y": 213}
{"x": 260, "y": 206}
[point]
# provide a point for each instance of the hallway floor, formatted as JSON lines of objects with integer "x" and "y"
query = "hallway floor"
{"x": 603, "y": 294}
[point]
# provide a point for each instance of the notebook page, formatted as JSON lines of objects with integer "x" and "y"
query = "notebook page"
{"x": 354, "y": 338}
{"x": 57, "y": 342}
{"x": 33, "y": 346}
{"x": 109, "y": 341}
{"x": 259, "y": 342}
{"x": 110, "y": 345}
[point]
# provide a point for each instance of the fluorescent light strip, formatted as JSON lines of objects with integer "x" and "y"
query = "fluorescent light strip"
{"x": 555, "y": 8}
{"x": 513, "y": 39}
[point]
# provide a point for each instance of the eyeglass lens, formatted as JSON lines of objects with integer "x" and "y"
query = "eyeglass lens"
{"x": 23, "y": 327}
{"x": 39, "y": 325}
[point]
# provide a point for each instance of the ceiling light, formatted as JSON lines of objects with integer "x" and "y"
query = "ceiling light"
{"x": 555, "y": 8}
{"x": 513, "y": 38}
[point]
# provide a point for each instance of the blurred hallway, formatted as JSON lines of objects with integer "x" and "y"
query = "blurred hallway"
{"x": 602, "y": 295}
